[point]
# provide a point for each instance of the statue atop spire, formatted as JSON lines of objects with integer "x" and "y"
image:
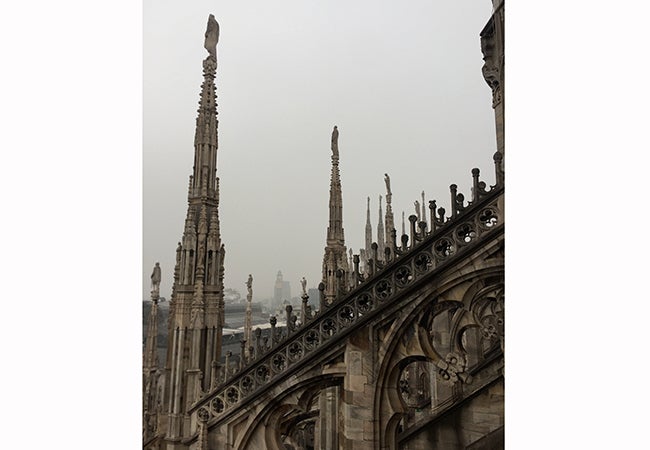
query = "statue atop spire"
{"x": 249, "y": 284}
{"x": 335, "y": 142}
{"x": 303, "y": 283}
{"x": 387, "y": 181}
{"x": 196, "y": 321}
{"x": 335, "y": 261}
{"x": 389, "y": 218}
{"x": 248, "y": 320}
{"x": 212, "y": 36}
{"x": 155, "y": 282}
{"x": 335, "y": 229}
{"x": 381, "y": 242}
{"x": 368, "y": 247}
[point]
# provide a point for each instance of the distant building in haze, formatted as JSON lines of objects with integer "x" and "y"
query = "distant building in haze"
{"x": 281, "y": 290}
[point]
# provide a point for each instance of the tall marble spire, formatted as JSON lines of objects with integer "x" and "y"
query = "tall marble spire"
{"x": 248, "y": 319}
{"x": 368, "y": 247}
{"x": 424, "y": 208}
{"x": 150, "y": 356}
{"x": 335, "y": 262}
{"x": 335, "y": 229}
{"x": 389, "y": 220}
{"x": 381, "y": 240}
{"x": 196, "y": 307}
{"x": 150, "y": 364}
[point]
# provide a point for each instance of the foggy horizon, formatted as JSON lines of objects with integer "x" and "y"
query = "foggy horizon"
{"x": 402, "y": 82}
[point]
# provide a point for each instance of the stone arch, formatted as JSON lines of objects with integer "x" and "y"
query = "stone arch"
{"x": 471, "y": 280}
{"x": 271, "y": 432}
{"x": 271, "y": 415}
{"x": 395, "y": 399}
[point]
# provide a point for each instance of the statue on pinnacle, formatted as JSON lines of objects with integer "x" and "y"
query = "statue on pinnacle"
{"x": 387, "y": 181}
{"x": 155, "y": 279}
{"x": 335, "y": 142}
{"x": 303, "y": 283}
{"x": 249, "y": 284}
{"x": 212, "y": 36}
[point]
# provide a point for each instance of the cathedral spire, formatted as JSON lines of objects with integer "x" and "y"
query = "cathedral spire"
{"x": 424, "y": 209}
{"x": 390, "y": 220}
{"x": 335, "y": 229}
{"x": 381, "y": 241}
{"x": 150, "y": 362}
{"x": 335, "y": 262}
{"x": 248, "y": 320}
{"x": 196, "y": 308}
{"x": 368, "y": 235}
{"x": 205, "y": 136}
{"x": 150, "y": 357}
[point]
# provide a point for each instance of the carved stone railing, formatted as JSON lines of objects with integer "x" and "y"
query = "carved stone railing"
{"x": 466, "y": 228}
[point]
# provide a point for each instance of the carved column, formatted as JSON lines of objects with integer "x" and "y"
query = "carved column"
{"x": 492, "y": 39}
{"x": 329, "y": 418}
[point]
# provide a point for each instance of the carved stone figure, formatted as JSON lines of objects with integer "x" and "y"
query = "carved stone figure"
{"x": 212, "y": 36}
{"x": 155, "y": 278}
{"x": 335, "y": 142}
{"x": 303, "y": 283}
{"x": 387, "y": 181}
{"x": 249, "y": 284}
{"x": 178, "y": 253}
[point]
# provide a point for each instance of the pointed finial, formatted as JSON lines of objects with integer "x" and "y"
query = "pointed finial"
{"x": 424, "y": 214}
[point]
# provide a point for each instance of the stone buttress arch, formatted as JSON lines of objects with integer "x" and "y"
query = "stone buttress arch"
{"x": 386, "y": 394}
{"x": 271, "y": 412}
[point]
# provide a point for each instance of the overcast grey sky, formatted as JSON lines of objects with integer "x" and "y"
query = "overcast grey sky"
{"x": 401, "y": 80}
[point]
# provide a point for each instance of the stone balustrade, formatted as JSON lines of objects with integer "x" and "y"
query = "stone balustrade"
{"x": 446, "y": 241}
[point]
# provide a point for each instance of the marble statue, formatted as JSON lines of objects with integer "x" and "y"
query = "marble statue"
{"x": 303, "y": 283}
{"x": 212, "y": 36}
{"x": 335, "y": 142}
{"x": 387, "y": 181}
{"x": 156, "y": 277}
{"x": 249, "y": 284}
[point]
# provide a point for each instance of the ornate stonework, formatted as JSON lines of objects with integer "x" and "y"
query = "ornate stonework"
{"x": 335, "y": 261}
{"x": 407, "y": 354}
{"x": 196, "y": 307}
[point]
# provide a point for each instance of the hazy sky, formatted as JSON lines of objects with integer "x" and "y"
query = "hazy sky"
{"x": 401, "y": 80}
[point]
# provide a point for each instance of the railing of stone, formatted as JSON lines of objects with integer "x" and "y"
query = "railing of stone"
{"x": 449, "y": 237}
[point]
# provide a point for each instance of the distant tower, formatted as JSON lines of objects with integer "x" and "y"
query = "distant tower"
{"x": 196, "y": 308}
{"x": 278, "y": 289}
{"x": 286, "y": 290}
{"x": 368, "y": 248}
{"x": 335, "y": 261}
